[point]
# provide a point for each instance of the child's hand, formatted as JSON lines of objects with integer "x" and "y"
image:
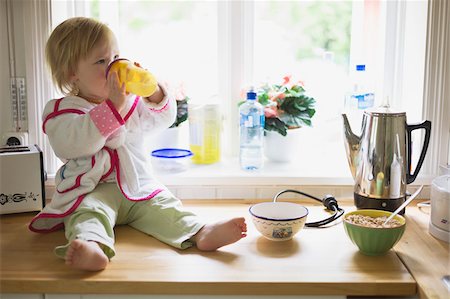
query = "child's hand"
{"x": 117, "y": 93}
{"x": 156, "y": 97}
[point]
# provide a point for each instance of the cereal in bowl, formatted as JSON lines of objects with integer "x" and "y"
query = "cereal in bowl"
{"x": 374, "y": 222}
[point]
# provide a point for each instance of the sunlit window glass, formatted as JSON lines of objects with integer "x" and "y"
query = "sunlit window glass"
{"x": 309, "y": 41}
{"x": 176, "y": 40}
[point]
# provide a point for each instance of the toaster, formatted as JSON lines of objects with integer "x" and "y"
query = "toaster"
{"x": 22, "y": 179}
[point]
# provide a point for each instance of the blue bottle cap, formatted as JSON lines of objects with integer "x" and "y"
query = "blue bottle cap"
{"x": 251, "y": 95}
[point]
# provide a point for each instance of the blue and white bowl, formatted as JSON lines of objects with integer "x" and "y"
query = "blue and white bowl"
{"x": 278, "y": 221}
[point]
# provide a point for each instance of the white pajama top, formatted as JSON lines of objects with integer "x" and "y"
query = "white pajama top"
{"x": 100, "y": 145}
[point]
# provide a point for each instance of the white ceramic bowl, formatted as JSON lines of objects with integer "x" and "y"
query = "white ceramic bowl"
{"x": 278, "y": 221}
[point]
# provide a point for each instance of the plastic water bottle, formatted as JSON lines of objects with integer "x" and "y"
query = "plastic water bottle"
{"x": 363, "y": 95}
{"x": 251, "y": 129}
{"x": 360, "y": 97}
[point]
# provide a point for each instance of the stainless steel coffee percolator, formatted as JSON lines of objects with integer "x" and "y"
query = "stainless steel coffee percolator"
{"x": 380, "y": 159}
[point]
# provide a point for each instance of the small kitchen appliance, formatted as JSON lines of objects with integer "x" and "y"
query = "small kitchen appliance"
{"x": 439, "y": 225}
{"x": 22, "y": 179}
{"x": 380, "y": 158}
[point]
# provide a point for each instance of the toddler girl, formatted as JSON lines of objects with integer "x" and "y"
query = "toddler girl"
{"x": 98, "y": 130}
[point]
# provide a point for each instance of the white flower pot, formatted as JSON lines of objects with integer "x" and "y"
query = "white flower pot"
{"x": 279, "y": 148}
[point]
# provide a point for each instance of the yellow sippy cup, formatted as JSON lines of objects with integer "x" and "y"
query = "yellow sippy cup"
{"x": 137, "y": 80}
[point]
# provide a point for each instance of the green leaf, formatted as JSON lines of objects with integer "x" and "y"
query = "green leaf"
{"x": 296, "y": 121}
{"x": 298, "y": 88}
{"x": 263, "y": 99}
{"x": 182, "y": 112}
{"x": 294, "y": 105}
{"x": 275, "y": 124}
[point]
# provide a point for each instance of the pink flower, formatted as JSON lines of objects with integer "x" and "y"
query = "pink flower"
{"x": 286, "y": 79}
{"x": 270, "y": 112}
{"x": 280, "y": 95}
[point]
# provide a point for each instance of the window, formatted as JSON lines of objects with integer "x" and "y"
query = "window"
{"x": 218, "y": 48}
{"x": 312, "y": 42}
{"x": 177, "y": 40}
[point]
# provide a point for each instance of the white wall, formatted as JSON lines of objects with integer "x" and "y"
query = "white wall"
{"x": 6, "y": 68}
{"x": 5, "y": 107}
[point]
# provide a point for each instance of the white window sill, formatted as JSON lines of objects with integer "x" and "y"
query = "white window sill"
{"x": 225, "y": 180}
{"x": 227, "y": 172}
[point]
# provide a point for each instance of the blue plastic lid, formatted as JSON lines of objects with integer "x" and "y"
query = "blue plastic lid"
{"x": 251, "y": 95}
{"x": 171, "y": 153}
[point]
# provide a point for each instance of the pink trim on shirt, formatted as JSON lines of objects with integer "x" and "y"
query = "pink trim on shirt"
{"x": 160, "y": 109}
{"x": 57, "y": 113}
{"x": 78, "y": 179}
{"x": 115, "y": 158}
{"x": 106, "y": 118}
{"x": 50, "y": 215}
{"x": 136, "y": 101}
{"x": 114, "y": 110}
{"x": 56, "y": 107}
{"x": 111, "y": 162}
{"x": 75, "y": 186}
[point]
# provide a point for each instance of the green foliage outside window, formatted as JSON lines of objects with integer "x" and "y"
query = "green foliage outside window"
{"x": 314, "y": 25}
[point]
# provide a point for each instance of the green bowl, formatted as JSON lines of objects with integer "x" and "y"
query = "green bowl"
{"x": 374, "y": 240}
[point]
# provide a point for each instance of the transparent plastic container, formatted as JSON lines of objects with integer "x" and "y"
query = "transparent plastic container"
{"x": 171, "y": 160}
{"x": 137, "y": 80}
{"x": 204, "y": 133}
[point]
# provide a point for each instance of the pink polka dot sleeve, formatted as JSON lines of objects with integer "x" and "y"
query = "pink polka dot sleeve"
{"x": 106, "y": 118}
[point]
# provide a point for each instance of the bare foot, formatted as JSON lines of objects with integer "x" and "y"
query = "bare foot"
{"x": 216, "y": 235}
{"x": 86, "y": 255}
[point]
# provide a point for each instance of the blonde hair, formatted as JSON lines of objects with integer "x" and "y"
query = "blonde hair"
{"x": 69, "y": 42}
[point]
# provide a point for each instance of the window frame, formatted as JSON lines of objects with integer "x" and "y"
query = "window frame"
{"x": 235, "y": 58}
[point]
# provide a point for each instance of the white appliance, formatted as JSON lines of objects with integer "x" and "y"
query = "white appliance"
{"x": 440, "y": 206}
{"x": 22, "y": 179}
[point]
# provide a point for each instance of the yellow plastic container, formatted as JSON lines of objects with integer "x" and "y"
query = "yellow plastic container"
{"x": 204, "y": 133}
{"x": 137, "y": 80}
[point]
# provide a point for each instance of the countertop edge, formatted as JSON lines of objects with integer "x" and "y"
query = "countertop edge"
{"x": 211, "y": 288}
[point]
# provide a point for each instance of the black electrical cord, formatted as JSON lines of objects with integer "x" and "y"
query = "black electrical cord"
{"x": 328, "y": 201}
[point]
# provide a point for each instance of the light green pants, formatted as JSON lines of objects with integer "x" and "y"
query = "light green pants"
{"x": 162, "y": 217}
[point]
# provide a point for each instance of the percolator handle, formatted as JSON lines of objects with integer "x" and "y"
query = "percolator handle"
{"x": 409, "y": 128}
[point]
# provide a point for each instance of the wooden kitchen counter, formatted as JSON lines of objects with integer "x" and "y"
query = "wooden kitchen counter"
{"x": 315, "y": 262}
{"x": 427, "y": 258}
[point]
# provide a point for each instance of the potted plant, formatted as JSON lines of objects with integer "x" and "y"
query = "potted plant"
{"x": 287, "y": 108}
